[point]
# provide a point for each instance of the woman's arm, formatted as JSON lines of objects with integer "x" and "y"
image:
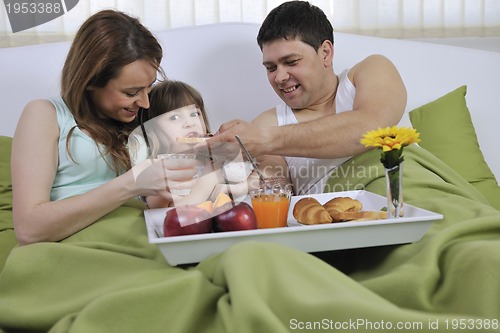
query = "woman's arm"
{"x": 34, "y": 165}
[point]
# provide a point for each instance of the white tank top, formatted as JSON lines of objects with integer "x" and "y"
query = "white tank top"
{"x": 310, "y": 175}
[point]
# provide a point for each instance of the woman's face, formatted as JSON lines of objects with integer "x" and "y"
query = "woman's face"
{"x": 122, "y": 97}
{"x": 183, "y": 122}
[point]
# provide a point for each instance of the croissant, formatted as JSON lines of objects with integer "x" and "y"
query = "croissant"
{"x": 342, "y": 204}
{"x": 348, "y": 209}
{"x": 359, "y": 216}
{"x": 309, "y": 211}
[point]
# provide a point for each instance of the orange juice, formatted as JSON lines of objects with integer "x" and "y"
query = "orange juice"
{"x": 270, "y": 210}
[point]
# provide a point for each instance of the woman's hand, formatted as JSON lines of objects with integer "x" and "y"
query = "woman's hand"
{"x": 160, "y": 176}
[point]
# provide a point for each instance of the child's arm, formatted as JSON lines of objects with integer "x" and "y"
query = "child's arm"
{"x": 200, "y": 192}
{"x": 156, "y": 201}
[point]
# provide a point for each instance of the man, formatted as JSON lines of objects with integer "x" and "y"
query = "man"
{"x": 323, "y": 115}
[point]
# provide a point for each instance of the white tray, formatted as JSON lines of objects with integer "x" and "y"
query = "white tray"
{"x": 314, "y": 238}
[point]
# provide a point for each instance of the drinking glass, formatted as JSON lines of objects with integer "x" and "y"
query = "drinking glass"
{"x": 271, "y": 202}
{"x": 178, "y": 156}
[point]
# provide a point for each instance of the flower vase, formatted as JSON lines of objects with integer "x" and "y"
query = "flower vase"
{"x": 394, "y": 191}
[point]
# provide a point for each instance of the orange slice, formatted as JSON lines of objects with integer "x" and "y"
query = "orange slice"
{"x": 206, "y": 205}
{"x": 222, "y": 198}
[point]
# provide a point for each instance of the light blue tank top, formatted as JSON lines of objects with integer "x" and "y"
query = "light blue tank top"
{"x": 86, "y": 169}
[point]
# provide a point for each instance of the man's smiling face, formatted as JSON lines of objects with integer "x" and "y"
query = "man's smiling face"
{"x": 295, "y": 71}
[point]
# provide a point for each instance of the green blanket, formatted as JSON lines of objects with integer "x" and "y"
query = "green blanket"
{"x": 107, "y": 278}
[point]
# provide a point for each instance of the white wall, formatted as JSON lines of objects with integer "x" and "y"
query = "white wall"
{"x": 480, "y": 43}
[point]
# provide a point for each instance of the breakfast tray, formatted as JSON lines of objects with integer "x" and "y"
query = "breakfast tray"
{"x": 309, "y": 238}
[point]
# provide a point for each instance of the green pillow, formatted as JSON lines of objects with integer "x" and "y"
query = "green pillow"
{"x": 7, "y": 236}
{"x": 446, "y": 130}
{"x": 5, "y": 184}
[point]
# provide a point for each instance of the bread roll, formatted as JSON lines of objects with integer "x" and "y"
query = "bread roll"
{"x": 342, "y": 204}
{"x": 367, "y": 215}
{"x": 309, "y": 211}
{"x": 183, "y": 139}
{"x": 349, "y": 209}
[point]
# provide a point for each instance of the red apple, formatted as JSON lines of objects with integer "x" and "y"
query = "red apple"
{"x": 239, "y": 217}
{"x": 187, "y": 220}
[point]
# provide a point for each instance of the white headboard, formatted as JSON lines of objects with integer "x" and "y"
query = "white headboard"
{"x": 223, "y": 61}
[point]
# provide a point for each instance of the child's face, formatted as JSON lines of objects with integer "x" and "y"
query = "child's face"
{"x": 187, "y": 121}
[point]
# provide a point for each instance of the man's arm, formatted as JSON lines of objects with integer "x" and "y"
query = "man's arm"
{"x": 270, "y": 165}
{"x": 380, "y": 101}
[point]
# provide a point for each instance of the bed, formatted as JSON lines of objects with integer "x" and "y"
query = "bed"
{"x": 109, "y": 278}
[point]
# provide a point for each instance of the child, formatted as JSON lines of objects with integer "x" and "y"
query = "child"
{"x": 177, "y": 111}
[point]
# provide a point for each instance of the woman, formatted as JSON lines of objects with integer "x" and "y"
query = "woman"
{"x": 69, "y": 154}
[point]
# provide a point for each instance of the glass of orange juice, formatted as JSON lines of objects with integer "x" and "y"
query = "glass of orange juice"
{"x": 271, "y": 203}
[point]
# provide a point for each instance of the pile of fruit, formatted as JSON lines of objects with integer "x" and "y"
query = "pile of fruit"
{"x": 218, "y": 216}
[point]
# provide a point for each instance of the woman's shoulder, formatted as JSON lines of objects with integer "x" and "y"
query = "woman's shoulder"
{"x": 38, "y": 118}
{"x": 51, "y": 111}
{"x": 39, "y": 109}
{"x": 49, "y": 108}
{"x": 45, "y": 105}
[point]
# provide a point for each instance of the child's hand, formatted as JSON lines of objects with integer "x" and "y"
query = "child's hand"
{"x": 153, "y": 176}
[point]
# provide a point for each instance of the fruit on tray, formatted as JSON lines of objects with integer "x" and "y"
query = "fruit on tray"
{"x": 238, "y": 217}
{"x": 187, "y": 220}
{"x": 206, "y": 205}
{"x": 221, "y": 200}
{"x": 221, "y": 215}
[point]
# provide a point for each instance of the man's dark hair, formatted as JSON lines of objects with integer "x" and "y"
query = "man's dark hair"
{"x": 296, "y": 20}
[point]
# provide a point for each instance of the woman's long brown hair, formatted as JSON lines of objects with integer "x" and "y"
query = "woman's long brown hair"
{"x": 103, "y": 45}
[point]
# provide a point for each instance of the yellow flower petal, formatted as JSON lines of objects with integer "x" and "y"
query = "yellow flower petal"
{"x": 390, "y": 138}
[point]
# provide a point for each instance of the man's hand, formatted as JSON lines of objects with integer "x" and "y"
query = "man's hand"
{"x": 254, "y": 137}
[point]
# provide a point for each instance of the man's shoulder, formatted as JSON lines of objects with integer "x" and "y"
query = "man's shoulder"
{"x": 267, "y": 118}
{"x": 372, "y": 64}
{"x": 370, "y": 61}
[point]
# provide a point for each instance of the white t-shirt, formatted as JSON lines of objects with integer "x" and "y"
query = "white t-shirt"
{"x": 310, "y": 175}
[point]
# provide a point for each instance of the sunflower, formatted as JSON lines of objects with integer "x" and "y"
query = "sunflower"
{"x": 391, "y": 140}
